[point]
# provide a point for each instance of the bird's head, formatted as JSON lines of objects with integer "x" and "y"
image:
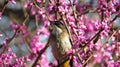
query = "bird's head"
{"x": 57, "y": 27}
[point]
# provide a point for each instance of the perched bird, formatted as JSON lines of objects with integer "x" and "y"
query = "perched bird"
{"x": 60, "y": 43}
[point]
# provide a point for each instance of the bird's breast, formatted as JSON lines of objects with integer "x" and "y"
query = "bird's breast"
{"x": 61, "y": 44}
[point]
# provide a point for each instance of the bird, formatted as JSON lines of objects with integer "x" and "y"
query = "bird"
{"x": 60, "y": 43}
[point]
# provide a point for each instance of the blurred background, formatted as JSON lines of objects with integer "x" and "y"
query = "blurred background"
{"x": 16, "y": 13}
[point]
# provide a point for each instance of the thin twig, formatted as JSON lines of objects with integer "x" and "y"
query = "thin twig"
{"x": 101, "y": 47}
{"x": 4, "y": 6}
{"x": 26, "y": 19}
{"x": 9, "y": 40}
{"x": 17, "y": 30}
{"x": 37, "y": 25}
{"x": 79, "y": 57}
{"x": 41, "y": 52}
{"x": 24, "y": 10}
{"x": 27, "y": 45}
{"x": 110, "y": 37}
{"x": 89, "y": 41}
{"x": 113, "y": 19}
{"x": 35, "y": 3}
{"x": 87, "y": 60}
{"x": 74, "y": 10}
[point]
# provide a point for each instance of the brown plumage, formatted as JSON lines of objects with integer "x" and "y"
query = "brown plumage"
{"x": 60, "y": 43}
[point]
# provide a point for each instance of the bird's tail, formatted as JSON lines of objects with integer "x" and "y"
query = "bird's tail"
{"x": 66, "y": 63}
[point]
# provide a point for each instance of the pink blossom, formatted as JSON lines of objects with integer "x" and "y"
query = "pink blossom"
{"x": 0, "y": 15}
{"x": 90, "y": 24}
{"x": 12, "y": 1}
{"x": 98, "y": 57}
{"x": 44, "y": 61}
{"x": 39, "y": 1}
{"x": 28, "y": 5}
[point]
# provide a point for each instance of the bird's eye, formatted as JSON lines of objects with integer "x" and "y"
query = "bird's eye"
{"x": 56, "y": 23}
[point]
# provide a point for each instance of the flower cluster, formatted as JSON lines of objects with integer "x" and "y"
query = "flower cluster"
{"x": 94, "y": 37}
{"x": 36, "y": 44}
{"x": 21, "y": 27}
{"x": 10, "y": 59}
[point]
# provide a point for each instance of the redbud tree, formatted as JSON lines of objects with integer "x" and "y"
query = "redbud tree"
{"x": 93, "y": 26}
